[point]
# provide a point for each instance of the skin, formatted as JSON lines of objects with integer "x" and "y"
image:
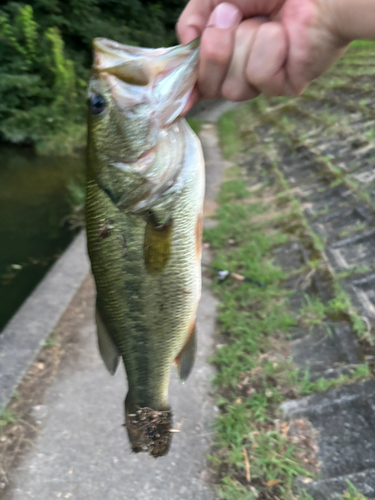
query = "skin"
{"x": 275, "y": 47}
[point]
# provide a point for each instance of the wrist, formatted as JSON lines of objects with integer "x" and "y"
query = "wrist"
{"x": 350, "y": 20}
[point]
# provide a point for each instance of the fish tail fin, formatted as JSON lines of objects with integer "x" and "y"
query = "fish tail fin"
{"x": 185, "y": 360}
{"x": 148, "y": 430}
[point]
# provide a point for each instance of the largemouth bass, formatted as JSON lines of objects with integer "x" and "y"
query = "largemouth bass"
{"x": 145, "y": 188}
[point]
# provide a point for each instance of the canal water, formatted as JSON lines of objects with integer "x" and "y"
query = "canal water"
{"x": 34, "y": 204}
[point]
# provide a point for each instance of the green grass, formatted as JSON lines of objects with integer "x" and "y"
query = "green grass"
{"x": 352, "y": 493}
{"x": 255, "y": 374}
{"x": 248, "y": 316}
{"x": 7, "y": 417}
{"x": 363, "y": 44}
{"x": 53, "y": 340}
{"x": 195, "y": 124}
{"x": 228, "y": 136}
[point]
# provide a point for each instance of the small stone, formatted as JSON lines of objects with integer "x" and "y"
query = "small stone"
{"x": 39, "y": 412}
{"x": 204, "y": 476}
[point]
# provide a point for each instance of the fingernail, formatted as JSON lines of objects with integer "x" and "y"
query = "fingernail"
{"x": 226, "y": 16}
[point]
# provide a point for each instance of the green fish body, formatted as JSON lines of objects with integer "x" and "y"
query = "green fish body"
{"x": 145, "y": 188}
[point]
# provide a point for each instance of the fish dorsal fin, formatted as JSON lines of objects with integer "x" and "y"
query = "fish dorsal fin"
{"x": 107, "y": 348}
{"x": 185, "y": 360}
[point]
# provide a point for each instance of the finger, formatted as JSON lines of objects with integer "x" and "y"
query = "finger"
{"x": 193, "y": 19}
{"x": 217, "y": 45}
{"x": 236, "y": 87}
{"x": 265, "y": 68}
{"x": 195, "y": 16}
{"x": 313, "y": 48}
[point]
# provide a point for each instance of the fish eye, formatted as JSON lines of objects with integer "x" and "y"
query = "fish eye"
{"x": 97, "y": 104}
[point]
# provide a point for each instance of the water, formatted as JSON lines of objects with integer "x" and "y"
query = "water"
{"x": 33, "y": 205}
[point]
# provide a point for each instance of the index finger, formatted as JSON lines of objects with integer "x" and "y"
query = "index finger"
{"x": 193, "y": 19}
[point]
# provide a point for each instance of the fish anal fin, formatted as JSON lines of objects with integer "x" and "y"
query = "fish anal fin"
{"x": 185, "y": 360}
{"x": 107, "y": 348}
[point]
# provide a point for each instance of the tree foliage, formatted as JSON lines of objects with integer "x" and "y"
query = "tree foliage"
{"x": 45, "y": 54}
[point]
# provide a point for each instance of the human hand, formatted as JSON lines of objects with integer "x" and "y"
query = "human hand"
{"x": 243, "y": 54}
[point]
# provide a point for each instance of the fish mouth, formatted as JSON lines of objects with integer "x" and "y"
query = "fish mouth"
{"x": 163, "y": 79}
{"x": 136, "y": 65}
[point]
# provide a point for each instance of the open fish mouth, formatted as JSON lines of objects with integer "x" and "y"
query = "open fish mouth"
{"x": 164, "y": 77}
{"x": 137, "y": 65}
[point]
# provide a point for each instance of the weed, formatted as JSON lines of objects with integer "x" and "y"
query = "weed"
{"x": 52, "y": 341}
{"x": 352, "y": 493}
{"x": 7, "y": 416}
{"x": 306, "y": 386}
{"x": 360, "y": 269}
{"x": 313, "y": 312}
{"x": 228, "y": 137}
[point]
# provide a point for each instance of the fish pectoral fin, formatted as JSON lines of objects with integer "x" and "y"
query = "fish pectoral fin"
{"x": 107, "y": 348}
{"x": 157, "y": 246}
{"x": 185, "y": 360}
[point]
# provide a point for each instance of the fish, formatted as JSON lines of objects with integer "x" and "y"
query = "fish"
{"x": 144, "y": 206}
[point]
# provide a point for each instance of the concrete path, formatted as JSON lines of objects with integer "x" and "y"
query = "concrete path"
{"x": 82, "y": 449}
{"x": 38, "y": 315}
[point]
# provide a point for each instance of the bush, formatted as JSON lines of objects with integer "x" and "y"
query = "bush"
{"x": 39, "y": 91}
{"x": 45, "y": 55}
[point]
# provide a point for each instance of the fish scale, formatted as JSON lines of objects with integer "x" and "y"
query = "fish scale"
{"x": 144, "y": 230}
